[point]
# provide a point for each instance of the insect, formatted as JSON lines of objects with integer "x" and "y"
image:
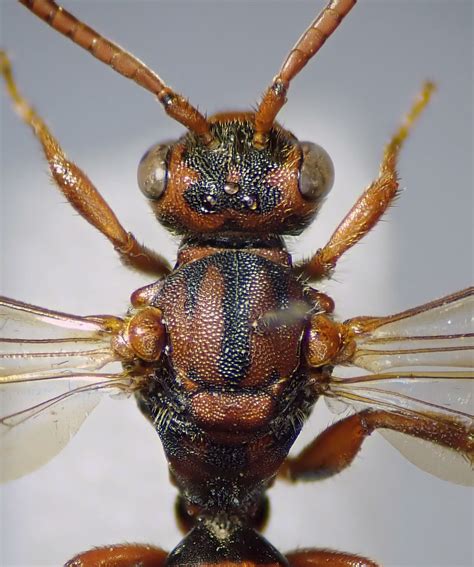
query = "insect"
{"x": 292, "y": 93}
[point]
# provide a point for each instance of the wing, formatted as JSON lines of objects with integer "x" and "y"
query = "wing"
{"x": 422, "y": 362}
{"x": 49, "y": 381}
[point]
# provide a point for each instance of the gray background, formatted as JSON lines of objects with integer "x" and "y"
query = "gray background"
{"x": 110, "y": 483}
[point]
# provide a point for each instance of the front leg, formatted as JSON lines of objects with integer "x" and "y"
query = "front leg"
{"x": 80, "y": 191}
{"x": 371, "y": 205}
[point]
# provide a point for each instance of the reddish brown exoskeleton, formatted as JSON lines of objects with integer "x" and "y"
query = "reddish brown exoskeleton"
{"x": 228, "y": 352}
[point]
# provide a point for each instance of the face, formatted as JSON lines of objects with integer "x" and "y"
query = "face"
{"x": 234, "y": 187}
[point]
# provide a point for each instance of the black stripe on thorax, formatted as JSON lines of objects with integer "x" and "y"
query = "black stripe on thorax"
{"x": 238, "y": 270}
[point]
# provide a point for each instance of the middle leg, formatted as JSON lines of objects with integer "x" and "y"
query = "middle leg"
{"x": 337, "y": 446}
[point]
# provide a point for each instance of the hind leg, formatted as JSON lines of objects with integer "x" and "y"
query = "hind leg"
{"x": 326, "y": 558}
{"x": 120, "y": 556}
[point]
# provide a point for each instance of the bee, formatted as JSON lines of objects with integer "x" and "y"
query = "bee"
{"x": 387, "y": 99}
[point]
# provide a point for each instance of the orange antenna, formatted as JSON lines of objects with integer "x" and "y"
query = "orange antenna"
{"x": 307, "y": 46}
{"x": 123, "y": 62}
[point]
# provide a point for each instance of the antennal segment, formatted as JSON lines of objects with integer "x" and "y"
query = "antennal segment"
{"x": 123, "y": 62}
{"x": 307, "y": 46}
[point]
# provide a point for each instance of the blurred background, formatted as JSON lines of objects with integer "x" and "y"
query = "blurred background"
{"x": 110, "y": 484}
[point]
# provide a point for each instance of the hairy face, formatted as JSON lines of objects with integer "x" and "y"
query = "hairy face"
{"x": 234, "y": 186}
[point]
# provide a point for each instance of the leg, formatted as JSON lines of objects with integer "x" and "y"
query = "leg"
{"x": 370, "y": 206}
{"x": 326, "y": 558}
{"x": 120, "y": 556}
{"x": 336, "y": 447}
{"x": 79, "y": 190}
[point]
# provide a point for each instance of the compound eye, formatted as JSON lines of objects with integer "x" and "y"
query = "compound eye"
{"x": 316, "y": 173}
{"x": 153, "y": 171}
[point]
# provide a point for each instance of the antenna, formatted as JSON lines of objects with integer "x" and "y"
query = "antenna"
{"x": 308, "y": 45}
{"x": 123, "y": 62}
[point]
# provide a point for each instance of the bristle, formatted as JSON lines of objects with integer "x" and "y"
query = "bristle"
{"x": 241, "y": 131}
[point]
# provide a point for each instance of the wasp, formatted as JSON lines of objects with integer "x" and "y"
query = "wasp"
{"x": 267, "y": 326}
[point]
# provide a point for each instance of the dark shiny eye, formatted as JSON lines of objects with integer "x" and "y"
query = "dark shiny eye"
{"x": 153, "y": 171}
{"x": 316, "y": 172}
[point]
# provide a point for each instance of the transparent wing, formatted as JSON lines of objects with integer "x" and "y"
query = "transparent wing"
{"x": 431, "y": 348}
{"x": 49, "y": 381}
{"x": 40, "y": 419}
{"x": 36, "y": 342}
{"x": 439, "y": 333}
